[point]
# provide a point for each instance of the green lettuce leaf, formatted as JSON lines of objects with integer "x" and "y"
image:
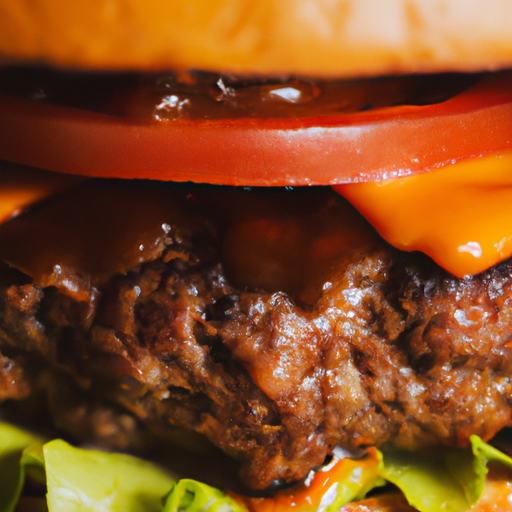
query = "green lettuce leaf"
{"x": 469, "y": 467}
{"x": 32, "y": 461}
{"x": 81, "y": 480}
{"x": 12, "y": 443}
{"x": 451, "y": 480}
{"x": 192, "y": 496}
{"x": 425, "y": 481}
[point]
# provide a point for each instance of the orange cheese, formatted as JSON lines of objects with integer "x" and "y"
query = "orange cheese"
{"x": 22, "y": 186}
{"x": 460, "y": 215}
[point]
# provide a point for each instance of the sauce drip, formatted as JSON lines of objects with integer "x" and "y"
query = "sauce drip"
{"x": 292, "y": 243}
{"x": 270, "y": 240}
{"x": 343, "y": 478}
{"x": 97, "y": 229}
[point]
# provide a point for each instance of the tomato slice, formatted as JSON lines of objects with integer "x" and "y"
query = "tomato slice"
{"x": 364, "y": 146}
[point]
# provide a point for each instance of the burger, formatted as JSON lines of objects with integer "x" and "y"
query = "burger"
{"x": 283, "y": 227}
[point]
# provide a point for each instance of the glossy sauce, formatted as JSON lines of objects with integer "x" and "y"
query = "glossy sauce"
{"x": 497, "y": 495}
{"x": 199, "y": 95}
{"x": 270, "y": 240}
{"x": 96, "y": 229}
{"x": 203, "y": 96}
{"x": 292, "y": 242}
{"x": 322, "y": 488}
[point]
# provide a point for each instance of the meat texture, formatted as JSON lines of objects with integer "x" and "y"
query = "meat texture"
{"x": 392, "y": 352}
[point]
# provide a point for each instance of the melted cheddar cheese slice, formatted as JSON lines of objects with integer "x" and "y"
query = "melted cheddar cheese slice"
{"x": 460, "y": 215}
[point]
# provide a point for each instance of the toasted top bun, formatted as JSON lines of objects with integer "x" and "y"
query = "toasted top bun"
{"x": 307, "y": 37}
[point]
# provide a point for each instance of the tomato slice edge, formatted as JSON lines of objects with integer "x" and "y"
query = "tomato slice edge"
{"x": 367, "y": 146}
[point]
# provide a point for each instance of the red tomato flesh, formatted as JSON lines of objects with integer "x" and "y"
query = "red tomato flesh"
{"x": 363, "y": 146}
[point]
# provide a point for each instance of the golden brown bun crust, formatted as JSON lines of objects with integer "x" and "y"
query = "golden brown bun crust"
{"x": 310, "y": 37}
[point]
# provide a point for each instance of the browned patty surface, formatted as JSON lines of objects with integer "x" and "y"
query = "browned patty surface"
{"x": 390, "y": 350}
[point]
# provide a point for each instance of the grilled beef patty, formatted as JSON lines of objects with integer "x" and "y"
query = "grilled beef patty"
{"x": 384, "y": 349}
